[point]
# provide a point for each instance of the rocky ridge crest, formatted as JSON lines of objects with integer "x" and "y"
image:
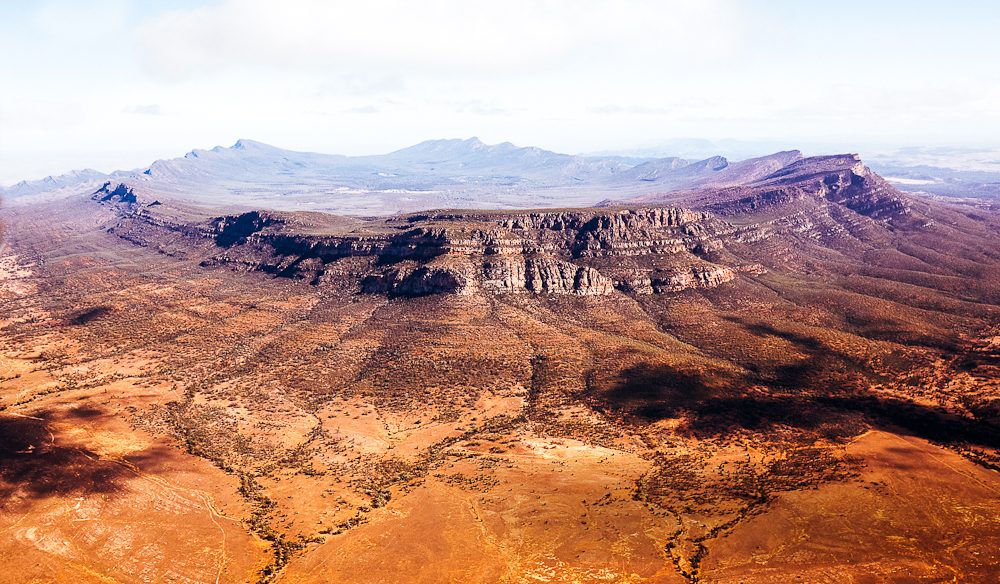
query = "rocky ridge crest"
{"x": 590, "y": 252}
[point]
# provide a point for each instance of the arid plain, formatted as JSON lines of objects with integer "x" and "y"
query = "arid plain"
{"x": 793, "y": 379}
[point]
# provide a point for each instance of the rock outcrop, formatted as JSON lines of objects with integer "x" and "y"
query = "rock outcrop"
{"x": 585, "y": 252}
{"x": 843, "y": 180}
{"x": 748, "y": 218}
{"x": 421, "y": 281}
{"x": 121, "y": 193}
{"x": 543, "y": 275}
{"x": 680, "y": 279}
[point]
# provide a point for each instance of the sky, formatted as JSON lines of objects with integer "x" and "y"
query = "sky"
{"x": 115, "y": 84}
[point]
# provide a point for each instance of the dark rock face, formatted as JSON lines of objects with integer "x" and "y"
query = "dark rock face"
{"x": 122, "y": 193}
{"x": 416, "y": 244}
{"x": 422, "y": 281}
{"x": 846, "y": 181}
{"x": 866, "y": 193}
{"x": 233, "y": 230}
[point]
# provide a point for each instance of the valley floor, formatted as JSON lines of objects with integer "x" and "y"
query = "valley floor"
{"x": 164, "y": 422}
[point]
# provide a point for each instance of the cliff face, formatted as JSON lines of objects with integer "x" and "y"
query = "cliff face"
{"x": 120, "y": 193}
{"x": 587, "y": 252}
{"x": 543, "y": 275}
{"x": 777, "y": 212}
{"x": 680, "y": 279}
{"x": 420, "y": 281}
{"x": 820, "y": 204}
{"x": 843, "y": 180}
{"x": 835, "y": 201}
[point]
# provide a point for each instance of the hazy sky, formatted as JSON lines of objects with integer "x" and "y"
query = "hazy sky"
{"x": 116, "y": 83}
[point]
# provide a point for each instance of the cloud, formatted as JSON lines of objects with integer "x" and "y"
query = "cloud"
{"x": 147, "y": 110}
{"x": 364, "y": 109}
{"x": 437, "y": 36}
{"x": 361, "y": 84}
{"x": 478, "y": 107}
{"x": 628, "y": 109}
{"x": 78, "y": 21}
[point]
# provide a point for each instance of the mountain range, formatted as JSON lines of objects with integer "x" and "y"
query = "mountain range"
{"x": 433, "y": 174}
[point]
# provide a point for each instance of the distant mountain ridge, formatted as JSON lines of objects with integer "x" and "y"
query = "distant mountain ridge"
{"x": 446, "y": 173}
{"x": 51, "y": 183}
{"x": 473, "y": 155}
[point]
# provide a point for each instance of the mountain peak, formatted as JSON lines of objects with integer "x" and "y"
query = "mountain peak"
{"x": 244, "y": 144}
{"x": 470, "y": 143}
{"x": 712, "y": 163}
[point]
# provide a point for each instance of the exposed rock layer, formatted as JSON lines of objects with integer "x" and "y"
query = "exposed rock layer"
{"x": 833, "y": 201}
{"x": 586, "y": 252}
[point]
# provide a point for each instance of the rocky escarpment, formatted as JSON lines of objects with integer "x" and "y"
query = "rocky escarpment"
{"x": 583, "y": 252}
{"x": 416, "y": 281}
{"x": 704, "y": 238}
{"x": 121, "y": 193}
{"x": 835, "y": 201}
{"x": 843, "y": 180}
{"x": 846, "y": 181}
{"x": 543, "y": 275}
{"x": 676, "y": 280}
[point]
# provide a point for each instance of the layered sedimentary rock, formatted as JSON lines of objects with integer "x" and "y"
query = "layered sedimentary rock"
{"x": 544, "y": 275}
{"x": 842, "y": 180}
{"x": 585, "y": 252}
{"x": 835, "y": 202}
{"x": 679, "y": 279}
{"x": 419, "y": 281}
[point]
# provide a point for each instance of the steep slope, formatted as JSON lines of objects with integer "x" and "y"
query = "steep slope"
{"x": 834, "y": 200}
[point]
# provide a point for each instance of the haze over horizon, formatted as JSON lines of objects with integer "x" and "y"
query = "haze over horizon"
{"x": 119, "y": 83}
